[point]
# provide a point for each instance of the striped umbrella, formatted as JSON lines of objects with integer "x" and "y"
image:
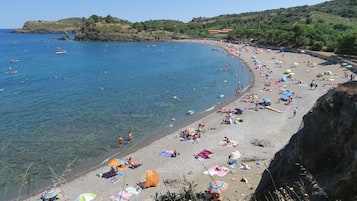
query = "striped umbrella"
{"x": 217, "y": 186}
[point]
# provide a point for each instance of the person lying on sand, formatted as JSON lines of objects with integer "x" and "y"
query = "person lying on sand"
{"x": 132, "y": 163}
{"x": 111, "y": 173}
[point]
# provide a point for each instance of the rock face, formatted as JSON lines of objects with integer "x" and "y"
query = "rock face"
{"x": 320, "y": 161}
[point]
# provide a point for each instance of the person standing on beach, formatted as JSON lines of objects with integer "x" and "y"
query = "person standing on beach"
{"x": 295, "y": 111}
{"x": 120, "y": 141}
{"x": 130, "y": 135}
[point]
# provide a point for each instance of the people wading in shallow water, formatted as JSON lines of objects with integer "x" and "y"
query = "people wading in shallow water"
{"x": 120, "y": 141}
{"x": 130, "y": 135}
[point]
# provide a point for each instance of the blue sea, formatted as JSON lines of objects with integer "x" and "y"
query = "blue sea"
{"x": 59, "y": 108}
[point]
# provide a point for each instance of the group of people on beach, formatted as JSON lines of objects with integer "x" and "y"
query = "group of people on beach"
{"x": 192, "y": 134}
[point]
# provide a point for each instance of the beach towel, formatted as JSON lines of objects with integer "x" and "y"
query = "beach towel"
{"x": 123, "y": 195}
{"x": 205, "y": 154}
{"x": 132, "y": 190}
{"x": 113, "y": 180}
{"x": 167, "y": 153}
{"x": 218, "y": 170}
{"x": 133, "y": 167}
{"x": 231, "y": 143}
{"x": 121, "y": 173}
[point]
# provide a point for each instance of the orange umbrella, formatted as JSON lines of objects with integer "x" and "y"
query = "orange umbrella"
{"x": 119, "y": 163}
{"x": 152, "y": 179}
{"x": 116, "y": 162}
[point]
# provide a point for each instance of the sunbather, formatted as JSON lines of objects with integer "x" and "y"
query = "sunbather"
{"x": 110, "y": 173}
{"x": 132, "y": 163}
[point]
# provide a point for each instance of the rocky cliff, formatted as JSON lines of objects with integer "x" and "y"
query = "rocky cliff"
{"x": 320, "y": 161}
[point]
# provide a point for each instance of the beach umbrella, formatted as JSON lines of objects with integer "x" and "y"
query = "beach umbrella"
{"x": 116, "y": 162}
{"x": 287, "y": 94}
{"x": 189, "y": 131}
{"x": 235, "y": 155}
{"x": 267, "y": 100}
{"x": 217, "y": 186}
{"x": 51, "y": 193}
{"x": 86, "y": 197}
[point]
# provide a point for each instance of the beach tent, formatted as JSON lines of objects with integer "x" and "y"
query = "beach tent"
{"x": 152, "y": 179}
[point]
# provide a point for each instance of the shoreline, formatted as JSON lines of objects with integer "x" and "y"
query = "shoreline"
{"x": 99, "y": 163}
{"x": 88, "y": 182}
{"x": 198, "y": 116}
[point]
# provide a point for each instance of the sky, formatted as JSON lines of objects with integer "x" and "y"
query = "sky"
{"x": 14, "y": 13}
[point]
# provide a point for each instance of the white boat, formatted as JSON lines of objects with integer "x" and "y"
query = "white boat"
{"x": 61, "y": 51}
{"x": 14, "y": 60}
{"x": 9, "y": 72}
{"x": 189, "y": 112}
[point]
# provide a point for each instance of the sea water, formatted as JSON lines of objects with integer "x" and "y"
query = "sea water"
{"x": 58, "y": 108}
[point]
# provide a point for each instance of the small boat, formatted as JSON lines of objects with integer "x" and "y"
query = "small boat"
{"x": 189, "y": 112}
{"x": 61, "y": 51}
{"x": 14, "y": 60}
{"x": 11, "y": 72}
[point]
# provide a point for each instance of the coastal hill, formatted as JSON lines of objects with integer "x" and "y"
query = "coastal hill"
{"x": 319, "y": 162}
{"x": 65, "y": 26}
{"x": 330, "y": 26}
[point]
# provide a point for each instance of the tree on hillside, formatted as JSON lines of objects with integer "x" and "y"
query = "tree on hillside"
{"x": 347, "y": 44}
{"x": 299, "y": 35}
{"x": 109, "y": 19}
{"x": 93, "y": 19}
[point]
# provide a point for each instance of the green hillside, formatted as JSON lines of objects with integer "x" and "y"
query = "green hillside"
{"x": 330, "y": 26}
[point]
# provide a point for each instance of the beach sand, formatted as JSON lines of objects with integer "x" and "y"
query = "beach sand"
{"x": 261, "y": 134}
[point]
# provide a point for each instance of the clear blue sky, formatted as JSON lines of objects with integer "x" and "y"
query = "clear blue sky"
{"x": 14, "y": 13}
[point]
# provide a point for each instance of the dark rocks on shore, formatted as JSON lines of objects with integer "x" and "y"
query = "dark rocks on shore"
{"x": 65, "y": 38}
{"x": 320, "y": 162}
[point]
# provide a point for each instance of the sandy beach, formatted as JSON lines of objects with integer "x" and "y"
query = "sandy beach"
{"x": 259, "y": 133}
